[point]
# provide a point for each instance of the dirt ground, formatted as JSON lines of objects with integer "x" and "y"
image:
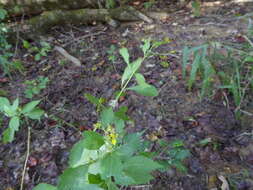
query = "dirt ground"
{"x": 175, "y": 114}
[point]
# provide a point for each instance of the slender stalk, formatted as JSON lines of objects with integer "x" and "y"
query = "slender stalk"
{"x": 26, "y": 159}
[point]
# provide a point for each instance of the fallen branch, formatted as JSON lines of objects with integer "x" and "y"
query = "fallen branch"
{"x": 69, "y": 57}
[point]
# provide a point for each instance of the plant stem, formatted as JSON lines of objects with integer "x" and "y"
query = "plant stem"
{"x": 26, "y": 159}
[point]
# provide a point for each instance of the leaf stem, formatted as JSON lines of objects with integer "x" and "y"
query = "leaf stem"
{"x": 26, "y": 159}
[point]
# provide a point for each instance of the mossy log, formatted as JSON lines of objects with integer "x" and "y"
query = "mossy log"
{"x": 48, "y": 19}
{"x": 33, "y": 7}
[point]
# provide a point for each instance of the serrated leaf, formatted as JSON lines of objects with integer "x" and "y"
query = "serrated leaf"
{"x": 79, "y": 155}
{"x": 9, "y": 111}
{"x": 124, "y": 53}
{"x": 4, "y": 102}
{"x": 30, "y": 106}
{"x": 76, "y": 179}
{"x": 139, "y": 168}
{"x": 14, "y": 106}
{"x": 131, "y": 144}
{"x": 107, "y": 116}
{"x": 14, "y": 123}
{"x": 144, "y": 89}
{"x": 35, "y": 114}
{"x": 93, "y": 140}
{"x": 44, "y": 186}
{"x": 110, "y": 165}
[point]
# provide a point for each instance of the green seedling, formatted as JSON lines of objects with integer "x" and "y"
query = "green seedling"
{"x": 16, "y": 114}
{"x": 34, "y": 87}
{"x": 39, "y": 52}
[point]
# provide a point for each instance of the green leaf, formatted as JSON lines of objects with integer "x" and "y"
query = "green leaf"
{"x": 140, "y": 78}
{"x": 111, "y": 185}
{"x": 110, "y": 165}
{"x": 131, "y": 144}
{"x": 107, "y": 116}
{"x": 145, "y": 90}
{"x": 95, "y": 179}
{"x": 136, "y": 65}
{"x": 14, "y": 123}
{"x": 3, "y": 13}
{"x": 14, "y": 106}
{"x": 92, "y": 99}
{"x": 35, "y": 114}
{"x": 8, "y": 135}
{"x": 93, "y": 140}
{"x": 195, "y": 65}
{"x": 26, "y": 44}
{"x": 30, "y": 106}
{"x": 126, "y": 75}
{"x": 44, "y": 186}
{"x": 124, "y": 53}
{"x": 139, "y": 168}
{"x": 146, "y": 46}
{"x": 79, "y": 155}
{"x": 76, "y": 179}
{"x": 4, "y": 102}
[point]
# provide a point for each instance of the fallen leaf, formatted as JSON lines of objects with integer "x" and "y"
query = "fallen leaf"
{"x": 225, "y": 185}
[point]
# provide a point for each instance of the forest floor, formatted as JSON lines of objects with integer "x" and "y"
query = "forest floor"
{"x": 175, "y": 114}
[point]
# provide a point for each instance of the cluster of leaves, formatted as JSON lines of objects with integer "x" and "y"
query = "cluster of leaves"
{"x": 108, "y": 157}
{"x": 16, "y": 115}
{"x": 39, "y": 52}
{"x": 5, "y": 54}
{"x": 174, "y": 155}
{"x": 236, "y": 75}
{"x": 34, "y": 87}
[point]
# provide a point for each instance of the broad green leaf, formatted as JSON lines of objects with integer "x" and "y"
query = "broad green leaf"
{"x": 14, "y": 123}
{"x": 136, "y": 65}
{"x": 79, "y": 155}
{"x": 139, "y": 168}
{"x": 195, "y": 65}
{"x": 9, "y": 111}
{"x": 4, "y": 102}
{"x": 76, "y": 179}
{"x": 121, "y": 113}
{"x": 35, "y": 114}
{"x": 140, "y": 78}
{"x": 126, "y": 75}
{"x": 110, "y": 165}
{"x": 131, "y": 144}
{"x": 3, "y": 13}
{"x": 144, "y": 89}
{"x": 44, "y": 186}
{"x": 95, "y": 179}
{"x": 30, "y": 106}
{"x": 107, "y": 116}
{"x": 146, "y": 46}
{"x": 92, "y": 99}
{"x": 8, "y": 135}
{"x": 123, "y": 179}
{"x": 93, "y": 140}
{"x": 111, "y": 185}
{"x": 15, "y": 105}
{"x": 124, "y": 53}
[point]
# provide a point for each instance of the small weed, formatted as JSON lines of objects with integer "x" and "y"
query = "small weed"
{"x": 108, "y": 157}
{"x": 17, "y": 114}
{"x": 34, "y": 87}
{"x": 5, "y": 55}
{"x": 39, "y": 52}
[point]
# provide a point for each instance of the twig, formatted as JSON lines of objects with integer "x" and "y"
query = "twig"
{"x": 248, "y": 40}
{"x": 69, "y": 57}
{"x": 26, "y": 159}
